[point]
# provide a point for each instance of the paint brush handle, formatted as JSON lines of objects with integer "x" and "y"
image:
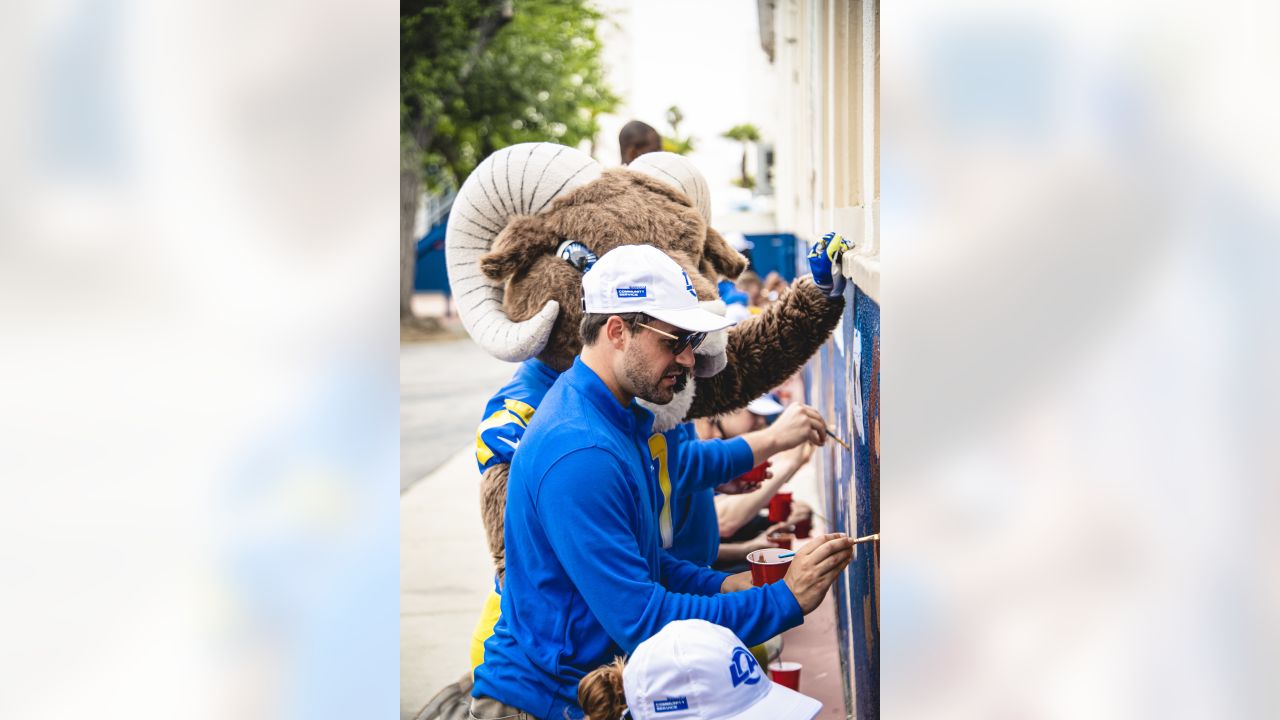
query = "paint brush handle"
{"x": 875, "y": 537}
{"x": 835, "y": 437}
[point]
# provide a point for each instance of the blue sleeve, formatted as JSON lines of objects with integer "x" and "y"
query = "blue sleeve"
{"x": 588, "y": 511}
{"x": 704, "y": 464}
{"x": 686, "y": 577}
{"x": 500, "y": 432}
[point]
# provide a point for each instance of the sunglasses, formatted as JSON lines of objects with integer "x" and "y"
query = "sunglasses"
{"x": 678, "y": 343}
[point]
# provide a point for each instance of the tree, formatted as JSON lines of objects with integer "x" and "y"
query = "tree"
{"x": 673, "y": 142}
{"x": 479, "y": 75}
{"x": 744, "y": 134}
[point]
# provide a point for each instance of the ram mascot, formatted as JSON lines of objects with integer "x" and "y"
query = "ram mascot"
{"x": 526, "y": 225}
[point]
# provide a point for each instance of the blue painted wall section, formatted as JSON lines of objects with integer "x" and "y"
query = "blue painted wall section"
{"x": 844, "y": 384}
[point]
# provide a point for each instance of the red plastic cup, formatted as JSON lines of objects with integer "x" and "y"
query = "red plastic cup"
{"x": 782, "y": 539}
{"x": 756, "y": 474}
{"x": 786, "y": 674}
{"x": 767, "y": 567}
{"x": 780, "y": 507}
{"x": 804, "y": 527}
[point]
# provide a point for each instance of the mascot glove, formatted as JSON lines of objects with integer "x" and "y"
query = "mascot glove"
{"x": 823, "y": 256}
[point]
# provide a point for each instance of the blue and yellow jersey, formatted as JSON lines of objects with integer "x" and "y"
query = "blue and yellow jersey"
{"x": 509, "y": 411}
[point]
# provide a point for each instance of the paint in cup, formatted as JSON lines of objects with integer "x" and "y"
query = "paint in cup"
{"x": 786, "y": 674}
{"x": 766, "y": 566}
{"x": 782, "y": 538}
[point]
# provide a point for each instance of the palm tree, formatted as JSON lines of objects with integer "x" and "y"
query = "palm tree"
{"x": 674, "y": 143}
{"x": 744, "y": 134}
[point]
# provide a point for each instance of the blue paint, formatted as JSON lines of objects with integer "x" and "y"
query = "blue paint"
{"x": 862, "y": 574}
{"x": 853, "y": 491}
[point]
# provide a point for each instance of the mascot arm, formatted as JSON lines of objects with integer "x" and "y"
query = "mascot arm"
{"x": 493, "y": 503}
{"x": 768, "y": 348}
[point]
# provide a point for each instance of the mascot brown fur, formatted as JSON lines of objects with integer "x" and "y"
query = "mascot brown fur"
{"x": 520, "y": 297}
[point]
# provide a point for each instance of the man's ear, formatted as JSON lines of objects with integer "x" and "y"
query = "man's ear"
{"x": 726, "y": 261}
{"x": 615, "y": 331}
{"x": 521, "y": 242}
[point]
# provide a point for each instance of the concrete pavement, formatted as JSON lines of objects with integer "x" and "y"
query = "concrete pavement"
{"x": 445, "y": 575}
{"x": 443, "y": 388}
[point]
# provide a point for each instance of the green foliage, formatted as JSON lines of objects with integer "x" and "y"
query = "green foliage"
{"x": 463, "y": 95}
{"x": 677, "y": 145}
{"x": 743, "y": 133}
{"x": 672, "y": 142}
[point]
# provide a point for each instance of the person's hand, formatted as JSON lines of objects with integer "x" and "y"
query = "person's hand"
{"x": 823, "y": 256}
{"x": 817, "y": 565}
{"x": 799, "y": 423}
{"x": 736, "y": 582}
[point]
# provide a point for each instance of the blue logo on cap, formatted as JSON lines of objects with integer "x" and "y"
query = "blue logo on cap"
{"x": 744, "y": 668}
{"x": 688, "y": 285}
{"x": 633, "y": 292}
{"x": 671, "y": 704}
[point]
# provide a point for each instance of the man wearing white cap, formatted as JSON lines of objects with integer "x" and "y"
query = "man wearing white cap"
{"x": 691, "y": 670}
{"x": 586, "y": 577}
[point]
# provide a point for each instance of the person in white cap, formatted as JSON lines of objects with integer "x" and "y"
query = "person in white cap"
{"x": 691, "y": 669}
{"x": 586, "y": 576}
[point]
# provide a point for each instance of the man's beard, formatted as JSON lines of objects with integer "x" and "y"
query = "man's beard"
{"x": 648, "y": 388}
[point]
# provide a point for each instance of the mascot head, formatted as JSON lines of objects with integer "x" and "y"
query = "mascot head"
{"x": 532, "y": 218}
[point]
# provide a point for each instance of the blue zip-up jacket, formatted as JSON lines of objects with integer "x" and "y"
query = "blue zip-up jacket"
{"x": 697, "y": 467}
{"x": 688, "y": 467}
{"x": 586, "y": 577}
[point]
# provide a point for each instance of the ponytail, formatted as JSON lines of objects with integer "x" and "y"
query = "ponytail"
{"x": 600, "y": 693}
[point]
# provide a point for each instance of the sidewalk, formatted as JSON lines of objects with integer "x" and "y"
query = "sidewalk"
{"x": 445, "y": 575}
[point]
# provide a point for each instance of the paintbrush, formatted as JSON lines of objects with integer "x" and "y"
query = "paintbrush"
{"x": 835, "y": 437}
{"x": 856, "y": 541}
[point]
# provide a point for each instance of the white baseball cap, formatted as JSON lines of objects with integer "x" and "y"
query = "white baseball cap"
{"x": 642, "y": 279}
{"x": 765, "y": 405}
{"x": 694, "y": 669}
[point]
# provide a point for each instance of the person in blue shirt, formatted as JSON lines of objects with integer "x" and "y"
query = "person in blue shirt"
{"x": 586, "y": 576}
{"x": 689, "y": 471}
{"x": 687, "y": 521}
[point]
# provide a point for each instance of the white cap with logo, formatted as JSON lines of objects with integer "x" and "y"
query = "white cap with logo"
{"x": 642, "y": 279}
{"x": 695, "y": 669}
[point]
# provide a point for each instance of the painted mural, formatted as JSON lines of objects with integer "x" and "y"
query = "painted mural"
{"x": 844, "y": 384}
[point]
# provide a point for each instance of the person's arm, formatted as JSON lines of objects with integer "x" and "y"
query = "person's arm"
{"x": 705, "y": 464}
{"x": 798, "y": 424}
{"x": 737, "y": 552}
{"x": 766, "y": 349}
{"x": 683, "y": 576}
{"x": 496, "y": 441}
{"x": 734, "y": 511}
{"x": 493, "y": 505}
{"x": 588, "y": 510}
